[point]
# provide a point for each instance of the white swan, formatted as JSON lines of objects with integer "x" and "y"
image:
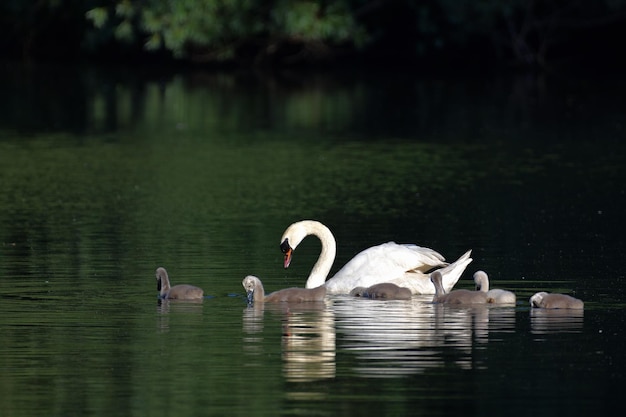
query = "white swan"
{"x": 496, "y": 295}
{"x": 401, "y": 264}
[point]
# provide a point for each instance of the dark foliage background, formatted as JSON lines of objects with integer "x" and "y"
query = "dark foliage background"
{"x": 585, "y": 34}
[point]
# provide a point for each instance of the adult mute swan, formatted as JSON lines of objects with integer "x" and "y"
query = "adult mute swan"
{"x": 555, "y": 300}
{"x": 494, "y": 296}
{"x": 256, "y": 293}
{"x": 402, "y": 264}
{"x": 177, "y": 292}
{"x": 461, "y": 296}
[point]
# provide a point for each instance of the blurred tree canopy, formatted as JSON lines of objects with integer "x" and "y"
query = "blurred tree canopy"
{"x": 530, "y": 33}
{"x": 223, "y": 30}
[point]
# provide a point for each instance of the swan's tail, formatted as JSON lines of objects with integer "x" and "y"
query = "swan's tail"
{"x": 426, "y": 257}
{"x": 453, "y": 272}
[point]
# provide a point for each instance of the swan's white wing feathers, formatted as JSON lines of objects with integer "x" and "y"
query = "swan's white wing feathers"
{"x": 392, "y": 260}
{"x": 420, "y": 283}
{"x": 380, "y": 264}
{"x": 384, "y": 263}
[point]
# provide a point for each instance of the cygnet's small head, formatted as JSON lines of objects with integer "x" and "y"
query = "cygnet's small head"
{"x": 481, "y": 280}
{"x": 161, "y": 274}
{"x": 358, "y": 292}
{"x": 435, "y": 277}
{"x": 535, "y": 300}
{"x": 250, "y": 284}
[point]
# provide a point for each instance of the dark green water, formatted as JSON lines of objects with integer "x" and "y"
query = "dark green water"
{"x": 107, "y": 174}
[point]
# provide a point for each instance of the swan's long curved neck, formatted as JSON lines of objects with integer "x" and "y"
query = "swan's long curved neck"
{"x": 324, "y": 263}
{"x": 436, "y": 280}
{"x": 259, "y": 292}
{"x": 163, "y": 284}
{"x": 482, "y": 281}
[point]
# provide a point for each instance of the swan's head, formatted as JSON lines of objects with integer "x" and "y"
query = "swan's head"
{"x": 296, "y": 232}
{"x": 481, "y": 280}
{"x": 535, "y": 300}
{"x": 293, "y": 236}
{"x": 287, "y": 250}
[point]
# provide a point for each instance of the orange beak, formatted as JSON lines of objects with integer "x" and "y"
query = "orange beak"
{"x": 288, "y": 253}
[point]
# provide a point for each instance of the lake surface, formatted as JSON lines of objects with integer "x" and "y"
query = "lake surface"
{"x": 107, "y": 174}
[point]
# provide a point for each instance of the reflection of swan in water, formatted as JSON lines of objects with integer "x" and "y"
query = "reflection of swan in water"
{"x": 402, "y": 264}
{"x": 461, "y": 326}
{"x": 384, "y": 290}
{"x": 309, "y": 345}
{"x": 494, "y": 296}
{"x": 177, "y": 292}
{"x": 308, "y": 338}
{"x": 256, "y": 293}
{"x": 165, "y": 307}
{"x": 393, "y": 338}
{"x": 481, "y": 320}
{"x": 544, "y": 320}
{"x": 555, "y": 300}
{"x": 461, "y": 296}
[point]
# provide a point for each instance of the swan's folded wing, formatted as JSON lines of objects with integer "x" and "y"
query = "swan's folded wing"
{"x": 388, "y": 261}
{"x": 371, "y": 267}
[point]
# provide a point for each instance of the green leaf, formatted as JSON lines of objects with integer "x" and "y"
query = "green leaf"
{"x": 124, "y": 9}
{"x": 154, "y": 42}
{"x": 151, "y": 21}
{"x": 124, "y": 31}
{"x": 98, "y": 16}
